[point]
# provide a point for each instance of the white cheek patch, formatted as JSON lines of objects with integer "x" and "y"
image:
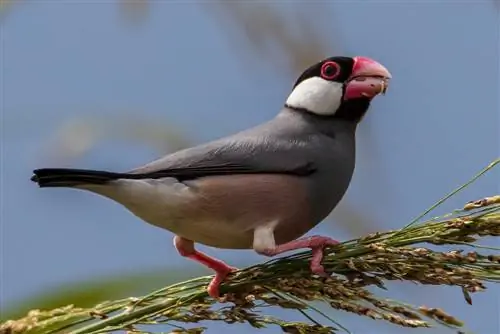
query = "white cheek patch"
{"x": 316, "y": 95}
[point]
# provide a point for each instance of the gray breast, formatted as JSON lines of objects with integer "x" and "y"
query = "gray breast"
{"x": 336, "y": 164}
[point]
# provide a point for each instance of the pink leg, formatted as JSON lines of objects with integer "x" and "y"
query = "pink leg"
{"x": 186, "y": 248}
{"x": 316, "y": 243}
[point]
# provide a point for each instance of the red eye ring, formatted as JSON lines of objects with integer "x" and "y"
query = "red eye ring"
{"x": 327, "y": 67}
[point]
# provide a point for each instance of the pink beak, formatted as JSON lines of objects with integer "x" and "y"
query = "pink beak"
{"x": 368, "y": 79}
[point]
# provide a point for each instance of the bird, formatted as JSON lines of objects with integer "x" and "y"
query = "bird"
{"x": 262, "y": 188}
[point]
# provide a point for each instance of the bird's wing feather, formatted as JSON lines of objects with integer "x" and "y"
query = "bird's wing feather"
{"x": 264, "y": 149}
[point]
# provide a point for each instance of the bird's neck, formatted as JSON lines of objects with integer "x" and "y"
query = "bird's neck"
{"x": 329, "y": 126}
{"x": 351, "y": 111}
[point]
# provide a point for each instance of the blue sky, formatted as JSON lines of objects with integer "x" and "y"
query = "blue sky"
{"x": 438, "y": 125}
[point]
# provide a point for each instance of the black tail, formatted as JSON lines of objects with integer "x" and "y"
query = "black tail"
{"x": 66, "y": 177}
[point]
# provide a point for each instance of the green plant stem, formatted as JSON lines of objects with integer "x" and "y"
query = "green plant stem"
{"x": 453, "y": 193}
{"x": 374, "y": 259}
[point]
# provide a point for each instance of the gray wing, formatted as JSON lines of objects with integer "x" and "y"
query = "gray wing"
{"x": 269, "y": 148}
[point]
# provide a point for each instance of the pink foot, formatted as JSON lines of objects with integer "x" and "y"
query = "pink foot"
{"x": 220, "y": 276}
{"x": 186, "y": 248}
{"x": 316, "y": 243}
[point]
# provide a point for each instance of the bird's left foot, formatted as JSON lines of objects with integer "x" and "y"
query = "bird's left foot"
{"x": 317, "y": 245}
{"x": 222, "y": 270}
{"x": 186, "y": 248}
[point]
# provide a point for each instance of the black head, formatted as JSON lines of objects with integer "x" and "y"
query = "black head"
{"x": 337, "y": 69}
{"x": 340, "y": 87}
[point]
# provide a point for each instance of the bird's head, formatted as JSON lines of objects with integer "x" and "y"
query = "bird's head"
{"x": 340, "y": 87}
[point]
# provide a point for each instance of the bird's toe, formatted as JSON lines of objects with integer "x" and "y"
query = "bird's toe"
{"x": 220, "y": 276}
{"x": 319, "y": 270}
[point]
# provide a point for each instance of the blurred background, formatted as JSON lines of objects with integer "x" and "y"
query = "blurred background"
{"x": 113, "y": 84}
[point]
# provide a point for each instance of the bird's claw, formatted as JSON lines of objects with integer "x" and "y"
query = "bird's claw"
{"x": 318, "y": 244}
{"x": 220, "y": 276}
{"x": 319, "y": 270}
{"x": 316, "y": 266}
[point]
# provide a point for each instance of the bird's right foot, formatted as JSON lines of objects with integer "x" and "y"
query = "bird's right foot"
{"x": 316, "y": 243}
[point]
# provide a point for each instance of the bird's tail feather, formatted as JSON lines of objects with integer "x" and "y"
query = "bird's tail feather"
{"x": 67, "y": 177}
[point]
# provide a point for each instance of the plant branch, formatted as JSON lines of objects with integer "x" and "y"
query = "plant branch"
{"x": 287, "y": 283}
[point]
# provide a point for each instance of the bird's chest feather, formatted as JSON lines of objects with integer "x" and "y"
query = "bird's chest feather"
{"x": 330, "y": 183}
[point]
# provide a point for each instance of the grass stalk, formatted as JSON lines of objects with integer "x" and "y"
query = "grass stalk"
{"x": 413, "y": 253}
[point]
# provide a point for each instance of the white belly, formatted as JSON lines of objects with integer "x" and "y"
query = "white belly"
{"x": 172, "y": 205}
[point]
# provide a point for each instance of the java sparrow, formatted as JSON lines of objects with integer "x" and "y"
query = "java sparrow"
{"x": 262, "y": 188}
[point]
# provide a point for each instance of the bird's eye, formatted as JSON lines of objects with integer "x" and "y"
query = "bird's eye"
{"x": 330, "y": 70}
